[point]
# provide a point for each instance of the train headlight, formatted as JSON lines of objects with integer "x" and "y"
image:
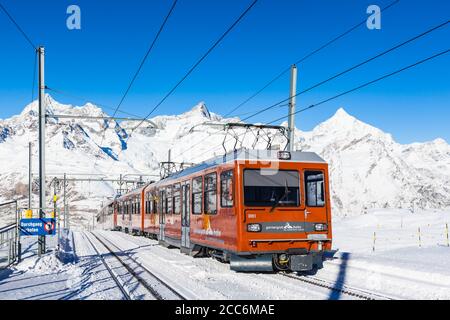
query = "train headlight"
{"x": 284, "y": 155}
{"x": 255, "y": 227}
{"x": 321, "y": 227}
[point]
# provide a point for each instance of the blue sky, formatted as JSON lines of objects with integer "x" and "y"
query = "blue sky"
{"x": 98, "y": 61}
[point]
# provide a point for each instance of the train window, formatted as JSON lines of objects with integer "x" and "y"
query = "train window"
{"x": 226, "y": 189}
{"x": 197, "y": 195}
{"x": 155, "y": 206}
{"x": 272, "y": 188}
{"x": 211, "y": 194}
{"x": 177, "y": 199}
{"x": 315, "y": 192}
{"x": 169, "y": 200}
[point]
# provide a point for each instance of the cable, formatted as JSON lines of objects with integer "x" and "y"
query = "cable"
{"x": 161, "y": 28}
{"x": 146, "y": 55}
{"x": 344, "y": 93}
{"x": 198, "y": 62}
{"x": 205, "y": 55}
{"x": 212, "y": 134}
{"x": 364, "y": 85}
{"x": 305, "y": 58}
{"x": 90, "y": 101}
{"x": 34, "y": 77}
{"x": 353, "y": 67}
{"x": 18, "y": 27}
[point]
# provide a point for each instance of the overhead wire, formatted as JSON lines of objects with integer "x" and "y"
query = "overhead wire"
{"x": 19, "y": 28}
{"x": 417, "y": 63}
{"x": 304, "y": 58}
{"x": 191, "y": 70}
{"x": 202, "y": 58}
{"x": 352, "y": 68}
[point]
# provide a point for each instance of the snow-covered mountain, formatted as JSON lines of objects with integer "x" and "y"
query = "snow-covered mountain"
{"x": 368, "y": 168}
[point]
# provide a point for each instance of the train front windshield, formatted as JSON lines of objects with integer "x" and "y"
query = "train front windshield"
{"x": 271, "y": 188}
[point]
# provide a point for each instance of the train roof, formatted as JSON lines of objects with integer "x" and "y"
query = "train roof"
{"x": 249, "y": 154}
{"x": 238, "y": 155}
{"x": 133, "y": 192}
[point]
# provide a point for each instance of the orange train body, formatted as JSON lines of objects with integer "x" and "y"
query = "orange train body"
{"x": 258, "y": 210}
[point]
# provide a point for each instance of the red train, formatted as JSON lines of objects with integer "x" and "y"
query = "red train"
{"x": 259, "y": 210}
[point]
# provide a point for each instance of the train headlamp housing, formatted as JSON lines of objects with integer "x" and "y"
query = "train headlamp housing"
{"x": 254, "y": 227}
{"x": 320, "y": 227}
{"x": 284, "y": 155}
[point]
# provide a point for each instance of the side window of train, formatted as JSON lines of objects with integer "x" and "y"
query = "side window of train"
{"x": 226, "y": 189}
{"x": 155, "y": 206}
{"x": 169, "y": 200}
{"x": 197, "y": 195}
{"x": 139, "y": 205}
{"x": 177, "y": 199}
{"x": 315, "y": 188}
{"x": 164, "y": 201}
{"x": 211, "y": 193}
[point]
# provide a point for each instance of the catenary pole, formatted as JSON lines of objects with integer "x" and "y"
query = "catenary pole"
{"x": 30, "y": 177}
{"x": 292, "y": 105}
{"x": 42, "y": 186}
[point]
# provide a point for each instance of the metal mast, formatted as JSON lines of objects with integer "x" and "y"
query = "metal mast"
{"x": 292, "y": 105}
{"x": 42, "y": 109}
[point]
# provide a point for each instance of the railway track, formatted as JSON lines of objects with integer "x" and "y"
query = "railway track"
{"x": 338, "y": 287}
{"x": 113, "y": 275}
{"x": 157, "y": 287}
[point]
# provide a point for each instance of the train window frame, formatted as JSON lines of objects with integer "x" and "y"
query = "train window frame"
{"x": 299, "y": 191}
{"x": 169, "y": 199}
{"x": 197, "y": 180}
{"x": 176, "y": 193}
{"x": 155, "y": 206}
{"x": 207, "y": 191}
{"x": 323, "y": 193}
{"x": 229, "y": 177}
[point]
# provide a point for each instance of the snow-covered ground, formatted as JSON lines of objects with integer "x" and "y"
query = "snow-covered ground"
{"x": 401, "y": 267}
{"x": 47, "y": 278}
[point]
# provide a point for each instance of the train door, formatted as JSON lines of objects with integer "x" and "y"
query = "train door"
{"x": 315, "y": 204}
{"x": 186, "y": 217}
{"x": 162, "y": 218}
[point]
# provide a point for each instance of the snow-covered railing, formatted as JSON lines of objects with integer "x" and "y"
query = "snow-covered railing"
{"x": 8, "y": 236}
{"x": 8, "y": 245}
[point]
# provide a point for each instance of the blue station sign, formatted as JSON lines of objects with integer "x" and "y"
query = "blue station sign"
{"x": 37, "y": 227}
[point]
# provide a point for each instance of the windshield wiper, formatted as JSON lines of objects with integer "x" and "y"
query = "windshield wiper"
{"x": 286, "y": 193}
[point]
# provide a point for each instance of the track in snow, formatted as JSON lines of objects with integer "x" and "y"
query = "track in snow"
{"x": 338, "y": 287}
{"x": 113, "y": 275}
{"x": 156, "y": 286}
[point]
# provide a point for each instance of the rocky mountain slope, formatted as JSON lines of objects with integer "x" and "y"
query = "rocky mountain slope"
{"x": 368, "y": 168}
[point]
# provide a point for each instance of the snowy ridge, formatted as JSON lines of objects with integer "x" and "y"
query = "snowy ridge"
{"x": 368, "y": 168}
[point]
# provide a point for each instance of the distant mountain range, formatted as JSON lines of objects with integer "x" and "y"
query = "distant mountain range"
{"x": 368, "y": 168}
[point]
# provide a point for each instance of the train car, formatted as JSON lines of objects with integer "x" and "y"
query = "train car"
{"x": 260, "y": 210}
{"x": 107, "y": 217}
{"x": 130, "y": 218}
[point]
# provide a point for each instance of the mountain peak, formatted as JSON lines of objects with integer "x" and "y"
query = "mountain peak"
{"x": 342, "y": 114}
{"x": 201, "y": 109}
